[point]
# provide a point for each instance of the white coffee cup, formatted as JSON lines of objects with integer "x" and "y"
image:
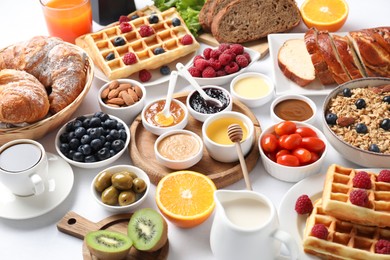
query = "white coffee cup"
{"x": 23, "y": 167}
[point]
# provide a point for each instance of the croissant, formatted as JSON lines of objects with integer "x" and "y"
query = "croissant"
{"x": 22, "y": 97}
{"x": 57, "y": 65}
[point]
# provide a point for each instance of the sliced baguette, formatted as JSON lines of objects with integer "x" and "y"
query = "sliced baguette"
{"x": 295, "y": 62}
{"x": 203, "y": 15}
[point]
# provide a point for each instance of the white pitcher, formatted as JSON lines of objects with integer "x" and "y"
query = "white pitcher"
{"x": 246, "y": 226}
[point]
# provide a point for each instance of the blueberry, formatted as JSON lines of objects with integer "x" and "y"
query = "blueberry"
{"x": 103, "y": 139}
{"x": 103, "y": 116}
{"x": 70, "y": 154}
{"x": 347, "y": 92}
{"x": 78, "y": 157}
{"x": 119, "y": 41}
{"x": 71, "y": 126}
{"x": 158, "y": 51}
{"x": 85, "y": 139}
{"x": 386, "y": 99}
{"x": 176, "y": 22}
{"x": 110, "y": 56}
{"x": 110, "y": 123}
{"x": 331, "y": 118}
{"x": 107, "y": 144}
{"x": 165, "y": 70}
{"x": 96, "y": 144}
{"x": 112, "y": 153}
{"x": 133, "y": 17}
{"x": 385, "y": 124}
{"x": 360, "y": 103}
{"x": 119, "y": 126}
{"x": 86, "y": 123}
{"x": 80, "y": 131}
{"x": 374, "y": 148}
{"x": 85, "y": 149}
{"x": 118, "y": 145}
{"x": 64, "y": 148}
{"x": 123, "y": 134}
{"x": 81, "y": 118}
{"x": 90, "y": 159}
{"x": 361, "y": 128}
{"x": 95, "y": 122}
{"x": 115, "y": 134}
{"x": 64, "y": 137}
{"x": 74, "y": 143}
{"x": 153, "y": 18}
{"x": 94, "y": 133}
{"x": 103, "y": 154}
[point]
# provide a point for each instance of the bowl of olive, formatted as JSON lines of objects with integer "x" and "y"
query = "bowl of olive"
{"x": 120, "y": 188}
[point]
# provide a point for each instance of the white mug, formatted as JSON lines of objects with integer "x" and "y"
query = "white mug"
{"x": 23, "y": 167}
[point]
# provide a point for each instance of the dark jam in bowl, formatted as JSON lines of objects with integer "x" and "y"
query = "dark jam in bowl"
{"x": 200, "y": 105}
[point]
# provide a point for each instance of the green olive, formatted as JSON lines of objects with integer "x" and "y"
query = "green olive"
{"x": 126, "y": 198}
{"x": 103, "y": 181}
{"x": 122, "y": 180}
{"x": 133, "y": 175}
{"x": 139, "y": 185}
{"x": 110, "y": 196}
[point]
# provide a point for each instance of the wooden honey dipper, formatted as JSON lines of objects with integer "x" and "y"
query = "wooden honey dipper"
{"x": 235, "y": 134}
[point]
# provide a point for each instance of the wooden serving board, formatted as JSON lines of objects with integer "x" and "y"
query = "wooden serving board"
{"x": 223, "y": 174}
{"x": 260, "y": 45}
{"x": 77, "y": 226}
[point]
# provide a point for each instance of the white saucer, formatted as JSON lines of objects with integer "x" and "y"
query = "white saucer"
{"x": 60, "y": 184}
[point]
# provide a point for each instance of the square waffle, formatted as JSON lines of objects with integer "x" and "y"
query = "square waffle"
{"x": 336, "y": 202}
{"x": 167, "y": 36}
{"x": 345, "y": 240}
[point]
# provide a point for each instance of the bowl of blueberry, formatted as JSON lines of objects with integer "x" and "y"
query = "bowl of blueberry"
{"x": 93, "y": 140}
{"x": 356, "y": 121}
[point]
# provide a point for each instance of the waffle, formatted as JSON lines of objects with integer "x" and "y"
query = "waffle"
{"x": 345, "y": 240}
{"x": 100, "y": 44}
{"x": 337, "y": 187}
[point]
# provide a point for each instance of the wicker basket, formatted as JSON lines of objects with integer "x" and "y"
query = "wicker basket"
{"x": 41, "y": 128}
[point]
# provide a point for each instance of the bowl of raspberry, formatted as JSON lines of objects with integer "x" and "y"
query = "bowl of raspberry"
{"x": 218, "y": 66}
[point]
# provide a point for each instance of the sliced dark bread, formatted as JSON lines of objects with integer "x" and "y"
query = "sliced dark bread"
{"x": 203, "y": 15}
{"x": 247, "y": 20}
{"x": 215, "y": 7}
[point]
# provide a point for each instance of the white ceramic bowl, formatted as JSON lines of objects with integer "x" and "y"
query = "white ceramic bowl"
{"x": 96, "y": 164}
{"x": 295, "y": 110}
{"x": 203, "y": 116}
{"x": 354, "y": 154}
{"x": 159, "y": 130}
{"x": 227, "y": 152}
{"x": 290, "y": 173}
{"x": 253, "y": 101}
{"x": 140, "y": 197}
{"x": 126, "y": 113}
{"x": 255, "y": 55}
{"x": 183, "y": 163}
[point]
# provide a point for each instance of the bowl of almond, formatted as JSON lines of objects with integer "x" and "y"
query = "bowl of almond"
{"x": 123, "y": 98}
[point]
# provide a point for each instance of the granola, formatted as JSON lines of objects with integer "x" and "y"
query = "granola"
{"x": 368, "y": 109}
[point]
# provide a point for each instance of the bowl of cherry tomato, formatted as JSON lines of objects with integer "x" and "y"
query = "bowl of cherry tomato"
{"x": 291, "y": 151}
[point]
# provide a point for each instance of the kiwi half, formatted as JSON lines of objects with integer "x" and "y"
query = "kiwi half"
{"x": 148, "y": 230}
{"x": 108, "y": 245}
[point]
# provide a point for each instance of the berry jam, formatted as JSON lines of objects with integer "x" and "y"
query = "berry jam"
{"x": 201, "y": 106}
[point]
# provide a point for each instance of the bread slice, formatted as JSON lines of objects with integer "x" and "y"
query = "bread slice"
{"x": 247, "y": 20}
{"x": 295, "y": 62}
{"x": 215, "y": 7}
{"x": 203, "y": 15}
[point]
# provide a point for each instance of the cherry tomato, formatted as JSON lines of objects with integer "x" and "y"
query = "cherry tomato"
{"x": 313, "y": 144}
{"x": 285, "y": 128}
{"x": 271, "y": 156}
{"x": 269, "y": 143}
{"x": 302, "y": 154}
{"x": 282, "y": 152}
{"x": 314, "y": 157}
{"x": 305, "y": 131}
{"x": 290, "y": 142}
{"x": 288, "y": 160}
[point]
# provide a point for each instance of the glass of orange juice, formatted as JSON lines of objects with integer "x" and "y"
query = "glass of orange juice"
{"x": 67, "y": 19}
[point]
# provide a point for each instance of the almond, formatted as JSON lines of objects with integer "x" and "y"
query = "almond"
{"x": 104, "y": 93}
{"x": 114, "y": 84}
{"x": 133, "y": 95}
{"x": 127, "y": 98}
{"x": 124, "y": 86}
{"x": 345, "y": 121}
{"x": 116, "y": 101}
{"x": 138, "y": 91}
{"x": 113, "y": 93}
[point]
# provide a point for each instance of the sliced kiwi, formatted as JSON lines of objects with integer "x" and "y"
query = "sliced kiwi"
{"x": 108, "y": 245}
{"x": 148, "y": 230}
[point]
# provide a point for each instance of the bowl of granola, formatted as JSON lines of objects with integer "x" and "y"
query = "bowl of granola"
{"x": 356, "y": 121}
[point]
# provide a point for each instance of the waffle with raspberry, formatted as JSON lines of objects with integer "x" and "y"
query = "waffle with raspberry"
{"x": 153, "y": 43}
{"x": 350, "y": 200}
{"x": 344, "y": 240}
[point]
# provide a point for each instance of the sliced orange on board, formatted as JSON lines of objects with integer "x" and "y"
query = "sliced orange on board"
{"x": 186, "y": 198}
{"x": 327, "y": 15}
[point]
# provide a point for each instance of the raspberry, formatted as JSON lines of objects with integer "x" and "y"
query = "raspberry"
{"x": 223, "y": 46}
{"x": 319, "y": 231}
{"x": 125, "y": 27}
{"x": 198, "y": 57}
{"x": 359, "y": 197}
{"x": 362, "y": 180}
{"x": 215, "y": 53}
{"x": 144, "y": 75}
{"x": 384, "y": 175}
{"x": 123, "y": 19}
{"x": 216, "y": 64}
{"x": 303, "y": 205}
{"x": 221, "y": 73}
{"x": 145, "y": 30}
{"x": 194, "y": 72}
{"x": 382, "y": 247}
{"x": 231, "y": 52}
{"x": 201, "y": 64}
{"x": 225, "y": 59}
{"x": 129, "y": 58}
{"x": 208, "y": 72}
{"x": 206, "y": 53}
{"x": 242, "y": 61}
{"x": 232, "y": 67}
{"x": 237, "y": 48}
{"x": 187, "y": 40}
{"x": 247, "y": 56}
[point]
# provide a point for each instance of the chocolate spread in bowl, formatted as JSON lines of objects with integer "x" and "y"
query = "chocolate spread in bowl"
{"x": 293, "y": 110}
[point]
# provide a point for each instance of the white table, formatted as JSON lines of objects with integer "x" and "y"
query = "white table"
{"x": 38, "y": 238}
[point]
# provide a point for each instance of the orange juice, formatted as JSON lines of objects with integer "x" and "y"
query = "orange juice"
{"x": 67, "y": 19}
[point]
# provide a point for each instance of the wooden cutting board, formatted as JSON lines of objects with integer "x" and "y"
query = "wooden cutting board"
{"x": 78, "y": 226}
{"x": 260, "y": 45}
{"x": 223, "y": 174}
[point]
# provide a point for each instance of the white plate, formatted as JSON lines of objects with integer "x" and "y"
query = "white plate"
{"x": 289, "y": 219}
{"x": 60, "y": 184}
{"x": 284, "y": 85}
{"x": 157, "y": 77}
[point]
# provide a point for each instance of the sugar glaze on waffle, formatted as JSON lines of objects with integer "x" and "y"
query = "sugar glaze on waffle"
{"x": 165, "y": 35}
{"x": 345, "y": 240}
{"x": 338, "y": 185}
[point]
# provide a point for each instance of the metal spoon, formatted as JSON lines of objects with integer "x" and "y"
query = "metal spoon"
{"x": 184, "y": 72}
{"x": 235, "y": 135}
{"x": 164, "y": 117}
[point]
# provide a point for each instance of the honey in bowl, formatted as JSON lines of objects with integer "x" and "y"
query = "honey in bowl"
{"x": 176, "y": 112}
{"x": 293, "y": 110}
{"x": 217, "y": 131}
